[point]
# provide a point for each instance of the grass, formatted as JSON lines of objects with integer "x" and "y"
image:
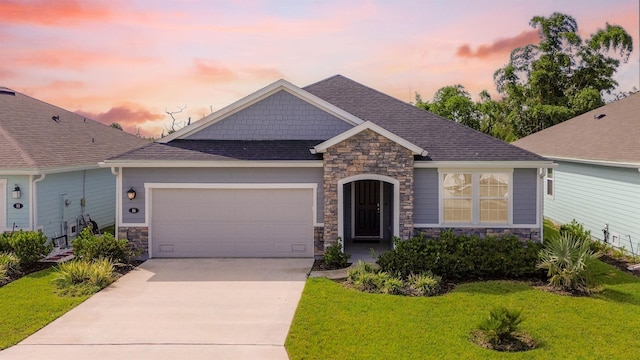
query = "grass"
{"x": 333, "y": 322}
{"x": 30, "y": 303}
{"x": 550, "y": 230}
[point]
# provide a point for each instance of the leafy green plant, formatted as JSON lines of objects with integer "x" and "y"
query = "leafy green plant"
{"x": 81, "y": 277}
{"x": 4, "y": 242}
{"x": 88, "y": 246}
{"x": 29, "y": 246}
{"x": 392, "y": 285}
{"x": 501, "y": 325}
{"x": 425, "y": 284}
{"x": 575, "y": 229}
{"x": 334, "y": 256}
{"x": 568, "y": 261}
{"x": 9, "y": 265}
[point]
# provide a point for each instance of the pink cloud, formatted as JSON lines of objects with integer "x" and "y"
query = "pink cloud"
{"x": 130, "y": 116}
{"x": 59, "y": 12}
{"x": 500, "y": 46}
{"x": 213, "y": 71}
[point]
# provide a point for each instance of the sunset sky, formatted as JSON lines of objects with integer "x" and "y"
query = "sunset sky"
{"x": 128, "y": 61}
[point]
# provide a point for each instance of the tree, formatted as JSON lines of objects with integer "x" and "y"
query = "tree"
{"x": 115, "y": 125}
{"x": 562, "y": 76}
{"x": 454, "y": 103}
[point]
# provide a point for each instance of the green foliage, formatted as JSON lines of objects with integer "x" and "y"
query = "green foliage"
{"x": 568, "y": 261}
{"x": 425, "y": 284}
{"x": 82, "y": 277}
{"x": 368, "y": 278}
{"x": 9, "y": 265}
{"x": 501, "y": 325}
{"x": 88, "y": 246}
{"x": 29, "y": 246}
{"x": 576, "y": 230}
{"x": 4, "y": 242}
{"x": 334, "y": 256}
{"x": 454, "y": 103}
{"x": 462, "y": 257}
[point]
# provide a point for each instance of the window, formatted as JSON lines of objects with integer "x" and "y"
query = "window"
{"x": 476, "y": 198}
{"x": 550, "y": 183}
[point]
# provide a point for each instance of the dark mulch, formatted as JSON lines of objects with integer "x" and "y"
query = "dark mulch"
{"x": 622, "y": 264}
{"x": 122, "y": 269}
{"x": 320, "y": 265}
{"x": 521, "y": 341}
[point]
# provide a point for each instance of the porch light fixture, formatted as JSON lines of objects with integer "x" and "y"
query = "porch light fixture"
{"x": 131, "y": 194}
{"x": 16, "y": 193}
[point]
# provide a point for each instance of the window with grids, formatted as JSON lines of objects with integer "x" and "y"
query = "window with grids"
{"x": 550, "y": 183}
{"x": 494, "y": 198}
{"x": 457, "y": 198}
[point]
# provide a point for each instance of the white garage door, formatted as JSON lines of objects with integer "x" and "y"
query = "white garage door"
{"x": 231, "y": 223}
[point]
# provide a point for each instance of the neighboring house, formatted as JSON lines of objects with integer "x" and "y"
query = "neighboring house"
{"x": 285, "y": 171}
{"x": 597, "y": 181}
{"x": 49, "y": 173}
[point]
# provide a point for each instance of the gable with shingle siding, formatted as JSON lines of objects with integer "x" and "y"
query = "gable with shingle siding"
{"x": 280, "y": 116}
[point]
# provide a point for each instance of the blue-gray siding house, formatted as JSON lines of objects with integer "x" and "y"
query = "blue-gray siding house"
{"x": 597, "y": 179}
{"x": 49, "y": 173}
{"x": 286, "y": 171}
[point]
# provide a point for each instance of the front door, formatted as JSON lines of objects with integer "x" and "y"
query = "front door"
{"x": 367, "y": 208}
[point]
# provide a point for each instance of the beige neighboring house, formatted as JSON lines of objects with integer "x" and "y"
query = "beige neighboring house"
{"x": 49, "y": 173}
{"x": 597, "y": 181}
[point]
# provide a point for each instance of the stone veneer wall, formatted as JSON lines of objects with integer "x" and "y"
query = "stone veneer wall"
{"x": 532, "y": 234}
{"x": 138, "y": 237}
{"x": 367, "y": 153}
{"x": 318, "y": 240}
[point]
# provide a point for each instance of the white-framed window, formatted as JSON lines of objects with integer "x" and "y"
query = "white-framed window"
{"x": 482, "y": 197}
{"x": 550, "y": 183}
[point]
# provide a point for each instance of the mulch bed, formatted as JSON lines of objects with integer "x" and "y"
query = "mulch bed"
{"x": 320, "y": 265}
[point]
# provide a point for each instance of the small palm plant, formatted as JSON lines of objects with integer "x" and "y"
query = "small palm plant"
{"x": 568, "y": 260}
{"x": 501, "y": 325}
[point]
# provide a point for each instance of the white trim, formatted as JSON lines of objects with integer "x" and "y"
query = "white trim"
{"x": 489, "y": 226}
{"x": 622, "y": 164}
{"x": 47, "y": 171}
{"x": 483, "y": 164}
{"x": 280, "y": 85}
{"x": 34, "y": 201}
{"x": 540, "y": 206}
{"x": 368, "y": 125}
{"x": 148, "y": 187}
{"x": 546, "y": 179}
{"x": 3, "y": 204}
{"x": 396, "y": 200}
{"x": 213, "y": 164}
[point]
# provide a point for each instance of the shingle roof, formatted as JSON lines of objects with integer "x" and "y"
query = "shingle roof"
{"x": 220, "y": 150}
{"x": 613, "y": 137}
{"x": 444, "y": 139}
{"x": 30, "y": 139}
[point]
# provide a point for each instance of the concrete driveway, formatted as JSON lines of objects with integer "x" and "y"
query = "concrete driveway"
{"x": 180, "y": 309}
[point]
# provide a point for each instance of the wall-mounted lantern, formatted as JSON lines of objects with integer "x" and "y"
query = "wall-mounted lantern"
{"x": 16, "y": 193}
{"x": 131, "y": 194}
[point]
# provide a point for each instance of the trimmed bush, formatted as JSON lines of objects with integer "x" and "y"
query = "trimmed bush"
{"x": 29, "y": 246}
{"x": 368, "y": 278}
{"x": 4, "y": 242}
{"x": 575, "y": 229}
{"x": 88, "y": 246}
{"x": 81, "y": 277}
{"x": 462, "y": 257}
{"x": 425, "y": 284}
{"x": 9, "y": 265}
{"x": 334, "y": 256}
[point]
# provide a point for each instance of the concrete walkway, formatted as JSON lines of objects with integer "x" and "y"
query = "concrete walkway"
{"x": 180, "y": 309}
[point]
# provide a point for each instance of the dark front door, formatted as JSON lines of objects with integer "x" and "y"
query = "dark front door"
{"x": 367, "y": 208}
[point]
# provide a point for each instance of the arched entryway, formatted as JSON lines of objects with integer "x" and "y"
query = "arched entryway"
{"x": 368, "y": 214}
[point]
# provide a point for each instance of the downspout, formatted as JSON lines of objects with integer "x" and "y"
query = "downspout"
{"x": 541, "y": 196}
{"x": 34, "y": 200}
{"x": 116, "y": 172}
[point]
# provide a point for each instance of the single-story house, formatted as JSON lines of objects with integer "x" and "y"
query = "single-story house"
{"x": 49, "y": 173}
{"x": 286, "y": 171}
{"x": 597, "y": 181}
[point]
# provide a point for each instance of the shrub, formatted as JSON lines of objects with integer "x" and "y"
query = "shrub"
{"x": 88, "y": 246}
{"x": 568, "y": 261}
{"x": 392, "y": 285}
{"x": 424, "y": 284}
{"x": 9, "y": 265}
{"x": 462, "y": 257}
{"x": 82, "y": 277}
{"x": 501, "y": 325}
{"x": 334, "y": 256}
{"x": 4, "y": 242}
{"x": 29, "y": 246}
{"x": 575, "y": 229}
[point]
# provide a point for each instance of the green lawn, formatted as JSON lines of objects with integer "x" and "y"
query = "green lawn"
{"x": 28, "y": 304}
{"x": 550, "y": 230}
{"x": 333, "y": 322}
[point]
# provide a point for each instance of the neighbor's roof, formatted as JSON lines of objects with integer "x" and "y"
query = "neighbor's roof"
{"x": 610, "y": 133}
{"x": 443, "y": 139}
{"x": 32, "y": 141}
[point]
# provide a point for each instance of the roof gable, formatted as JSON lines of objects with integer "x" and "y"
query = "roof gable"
{"x": 260, "y": 95}
{"x": 322, "y": 147}
{"x": 609, "y": 133}
{"x": 37, "y": 136}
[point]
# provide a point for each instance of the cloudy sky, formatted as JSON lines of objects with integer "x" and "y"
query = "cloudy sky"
{"x": 129, "y": 61}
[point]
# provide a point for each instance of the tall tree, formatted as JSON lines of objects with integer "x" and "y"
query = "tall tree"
{"x": 454, "y": 103}
{"x": 562, "y": 76}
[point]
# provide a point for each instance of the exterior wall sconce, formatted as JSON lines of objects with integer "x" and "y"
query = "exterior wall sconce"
{"x": 16, "y": 193}
{"x": 131, "y": 194}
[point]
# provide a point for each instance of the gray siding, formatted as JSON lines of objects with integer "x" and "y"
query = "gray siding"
{"x": 281, "y": 116}
{"x": 136, "y": 178}
{"x": 425, "y": 196}
{"x": 96, "y": 186}
{"x": 525, "y": 200}
{"x": 595, "y": 196}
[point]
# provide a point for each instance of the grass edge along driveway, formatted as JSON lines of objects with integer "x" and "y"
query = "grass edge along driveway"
{"x": 30, "y": 303}
{"x": 333, "y": 322}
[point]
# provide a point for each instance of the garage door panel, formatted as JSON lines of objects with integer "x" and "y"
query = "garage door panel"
{"x": 232, "y": 223}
